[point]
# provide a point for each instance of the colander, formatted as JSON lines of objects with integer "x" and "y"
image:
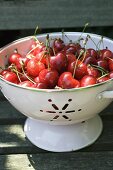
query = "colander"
{"x": 59, "y": 120}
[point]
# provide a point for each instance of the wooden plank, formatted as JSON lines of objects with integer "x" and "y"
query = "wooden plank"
{"x": 27, "y": 14}
{"x": 58, "y": 161}
{"x": 9, "y": 115}
{"x": 13, "y": 140}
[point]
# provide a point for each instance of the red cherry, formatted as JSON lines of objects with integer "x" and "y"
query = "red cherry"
{"x": 11, "y": 77}
{"x": 37, "y": 49}
{"x": 14, "y": 58}
{"x": 72, "y": 48}
{"x": 34, "y": 67}
{"x": 3, "y": 72}
{"x": 58, "y": 45}
{"x": 58, "y": 62}
{"x": 49, "y": 77}
{"x": 80, "y": 70}
{"x": 102, "y": 79}
{"x": 106, "y": 54}
{"x": 110, "y": 75}
{"x": 103, "y": 64}
{"x": 26, "y": 83}
{"x": 70, "y": 58}
{"x": 92, "y": 52}
{"x": 66, "y": 81}
{"x": 36, "y": 80}
{"x": 41, "y": 86}
{"x": 87, "y": 80}
{"x": 93, "y": 72}
{"x": 90, "y": 60}
{"x": 110, "y": 64}
{"x": 43, "y": 56}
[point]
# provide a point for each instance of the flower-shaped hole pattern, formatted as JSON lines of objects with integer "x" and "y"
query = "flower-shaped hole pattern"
{"x": 60, "y": 112}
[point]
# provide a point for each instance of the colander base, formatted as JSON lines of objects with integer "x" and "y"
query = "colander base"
{"x": 63, "y": 138}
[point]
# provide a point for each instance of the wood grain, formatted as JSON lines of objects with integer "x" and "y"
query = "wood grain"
{"x": 27, "y": 14}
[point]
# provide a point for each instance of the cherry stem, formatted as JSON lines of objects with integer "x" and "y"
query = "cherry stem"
{"x": 63, "y": 34}
{"x": 85, "y": 26}
{"x": 14, "y": 69}
{"x": 36, "y": 29}
{"x": 1, "y": 68}
{"x": 33, "y": 49}
{"x": 16, "y": 50}
{"x": 102, "y": 76}
{"x": 48, "y": 48}
{"x": 26, "y": 75}
{"x": 103, "y": 71}
{"x": 75, "y": 66}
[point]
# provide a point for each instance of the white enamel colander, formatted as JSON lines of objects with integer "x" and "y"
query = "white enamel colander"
{"x": 59, "y": 120}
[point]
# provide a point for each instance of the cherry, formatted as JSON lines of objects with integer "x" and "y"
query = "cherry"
{"x": 3, "y": 72}
{"x": 58, "y": 45}
{"x": 41, "y": 86}
{"x": 11, "y": 77}
{"x": 43, "y": 56}
{"x": 102, "y": 63}
{"x": 58, "y": 62}
{"x": 26, "y": 83}
{"x": 72, "y": 48}
{"x": 110, "y": 64}
{"x": 106, "y": 54}
{"x": 37, "y": 49}
{"x": 93, "y": 71}
{"x": 34, "y": 67}
{"x": 66, "y": 81}
{"x": 36, "y": 80}
{"x": 49, "y": 77}
{"x": 92, "y": 52}
{"x": 79, "y": 68}
{"x": 87, "y": 80}
{"x": 14, "y": 57}
{"x": 110, "y": 74}
{"x": 90, "y": 60}
{"x": 70, "y": 58}
{"x": 102, "y": 79}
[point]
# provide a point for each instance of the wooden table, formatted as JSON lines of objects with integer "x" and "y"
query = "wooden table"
{"x": 17, "y": 153}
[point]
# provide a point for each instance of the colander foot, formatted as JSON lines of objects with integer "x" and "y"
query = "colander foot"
{"x": 63, "y": 138}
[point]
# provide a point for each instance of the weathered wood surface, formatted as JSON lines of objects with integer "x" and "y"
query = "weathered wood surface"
{"x": 58, "y": 161}
{"x": 27, "y": 14}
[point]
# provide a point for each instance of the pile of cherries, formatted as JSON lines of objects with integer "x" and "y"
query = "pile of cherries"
{"x": 59, "y": 65}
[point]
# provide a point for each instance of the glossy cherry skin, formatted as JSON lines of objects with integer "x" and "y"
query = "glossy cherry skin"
{"x": 14, "y": 58}
{"x": 49, "y": 77}
{"x": 110, "y": 64}
{"x": 66, "y": 81}
{"x": 102, "y": 79}
{"x": 70, "y": 58}
{"x": 11, "y": 77}
{"x": 103, "y": 64}
{"x": 34, "y": 67}
{"x": 72, "y": 48}
{"x": 110, "y": 74}
{"x": 58, "y": 45}
{"x": 80, "y": 69}
{"x": 58, "y": 62}
{"x": 41, "y": 86}
{"x": 92, "y": 52}
{"x": 3, "y": 72}
{"x": 87, "y": 80}
{"x": 26, "y": 83}
{"x": 93, "y": 72}
{"x": 106, "y": 54}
